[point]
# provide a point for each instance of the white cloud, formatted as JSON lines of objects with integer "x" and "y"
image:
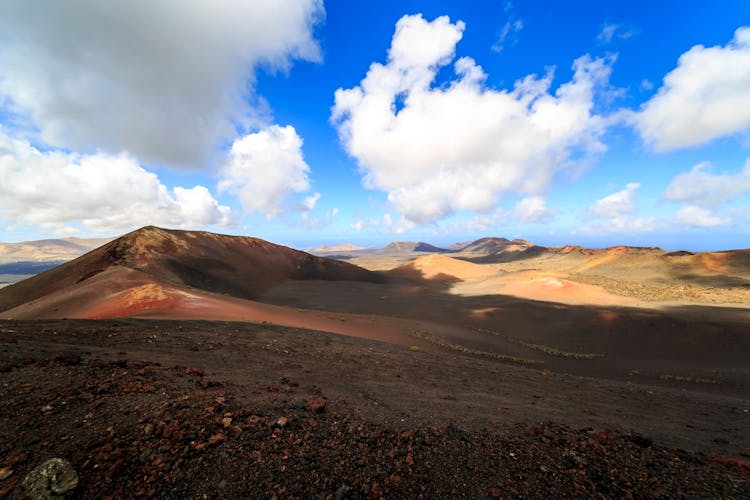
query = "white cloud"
{"x": 610, "y": 31}
{"x": 607, "y": 33}
{"x": 263, "y": 169}
{"x": 511, "y": 28}
{"x": 165, "y": 80}
{"x": 460, "y": 145}
{"x": 484, "y": 221}
{"x": 701, "y": 187}
{"x": 307, "y": 206}
{"x": 700, "y": 217}
{"x": 358, "y": 224}
{"x": 108, "y": 193}
{"x": 309, "y": 202}
{"x": 533, "y": 209}
{"x": 616, "y": 204}
{"x": 705, "y": 97}
{"x": 614, "y": 214}
{"x": 387, "y": 224}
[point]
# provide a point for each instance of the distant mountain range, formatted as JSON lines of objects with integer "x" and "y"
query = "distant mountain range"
{"x": 154, "y": 271}
{"x": 51, "y": 250}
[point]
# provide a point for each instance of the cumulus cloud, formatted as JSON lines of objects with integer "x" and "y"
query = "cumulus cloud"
{"x": 694, "y": 216}
{"x": 533, "y": 209}
{"x": 308, "y": 204}
{"x": 702, "y": 187}
{"x": 460, "y": 145}
{"x": 616, "y": 204}
{"x": 358, "y": 224}
{"x": 107, "y": 193}
{"x": 165, "y": 80}
{"x": 614, "y": 214}
{"x": 265, "y": 168}
{"x": 386, "y": 223}
{"x": 705, "y": 97}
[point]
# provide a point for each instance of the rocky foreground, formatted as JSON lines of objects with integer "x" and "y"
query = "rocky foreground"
{"x": 132, "y": 427}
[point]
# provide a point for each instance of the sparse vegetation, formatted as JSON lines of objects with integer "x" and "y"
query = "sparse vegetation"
{"x": 552, "y": 351}
{"x": 440, "y": 342}
{"x": 691, "y": 379}
{"x": 654, "y": 292}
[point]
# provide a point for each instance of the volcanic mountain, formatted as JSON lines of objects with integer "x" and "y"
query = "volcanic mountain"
{"x": 50, "y": 250}
{"x": 407, "y": 247}
{"x": 140, "y": 269}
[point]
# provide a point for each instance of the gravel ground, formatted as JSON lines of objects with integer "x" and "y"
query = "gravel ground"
{"x": 132, "y": 426}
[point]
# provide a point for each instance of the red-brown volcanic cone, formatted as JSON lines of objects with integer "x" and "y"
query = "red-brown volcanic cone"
{"x": 235, "y": 265}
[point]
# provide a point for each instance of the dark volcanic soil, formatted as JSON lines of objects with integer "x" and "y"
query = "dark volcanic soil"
{"x": 211, "y": 409}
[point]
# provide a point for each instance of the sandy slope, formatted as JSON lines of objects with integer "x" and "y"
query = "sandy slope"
{"x": 490, "y": 279}
{"x": 122, "y": 292}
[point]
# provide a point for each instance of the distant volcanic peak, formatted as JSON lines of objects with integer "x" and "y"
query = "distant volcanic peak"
{"x": 412, "y": 246}
{"x": 401, "y": 246}
{"x": 343, "y": 247}
{"x": 426, "y": 247}
{"x": 568, "y": 249}
{"x": 459, "y": 245}
{"x": 521, "y": 242}
{"x": 679, "y": 253}
{"x": 487, "y": 245}
{"x": 623, "y": 249}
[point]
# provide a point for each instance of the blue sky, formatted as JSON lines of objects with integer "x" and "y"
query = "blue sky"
{"x": 596, "y": 123}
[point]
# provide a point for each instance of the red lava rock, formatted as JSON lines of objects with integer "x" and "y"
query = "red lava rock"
{"x": 282, "y": 422}
{"x": 216, "y": 438}
{"x": 318, "y": 405}
{"x": 534, "y": 431}
{"x": 731, "y": 462}
{"x": 195, "y": 372}
{"x": 5, "y": 473}
{"x": 408, "y": 435}
{"x": 6, "y": 489}
{"x": 376, "y": 490}
{"x": 600, "y": 434}
{"x": 15, "y": 457}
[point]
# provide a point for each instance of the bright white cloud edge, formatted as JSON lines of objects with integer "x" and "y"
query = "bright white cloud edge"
{"x": 105, "y": 192}
{"x": 166, "y": 81}
{"x": 460, "y": 146}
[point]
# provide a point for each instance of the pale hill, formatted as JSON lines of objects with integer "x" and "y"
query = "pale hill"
{"x": 49, "y": 250}
{"x": 438, "y": 265}
{"x": 406, "y": 247}
{"x": 344, "y": 247}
